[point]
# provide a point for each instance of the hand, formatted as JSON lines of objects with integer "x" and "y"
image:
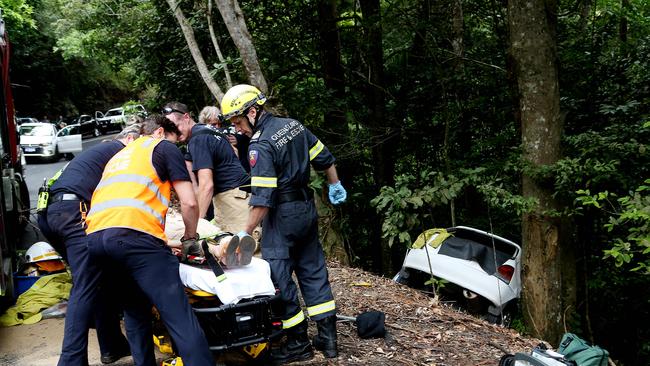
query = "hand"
{"x": 337, "y": 193}
{"x": 190, "y": 246}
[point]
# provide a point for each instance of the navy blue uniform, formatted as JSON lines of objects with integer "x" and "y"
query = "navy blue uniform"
{"x": 209, "y": 151}
{"x": 152, "y": 278}
{"x": 63, "y": 226}
{"x": 280, "y": 154}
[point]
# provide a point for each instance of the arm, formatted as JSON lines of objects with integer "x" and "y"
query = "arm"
{"x": 195, "y": 184}
{"x": 332, "y": 176}
{"x": 255, "y": 216}
{"x": 189, "y": 207}
{"x": 205, "y": 191}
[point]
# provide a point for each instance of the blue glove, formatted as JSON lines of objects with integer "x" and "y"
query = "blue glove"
{"x": 337, "y": 193}
{"x": 242, "y": 234}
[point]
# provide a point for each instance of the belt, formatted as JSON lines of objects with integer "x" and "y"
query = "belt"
{"x": 299, "y": 195}
{"x": 64, "y": 197}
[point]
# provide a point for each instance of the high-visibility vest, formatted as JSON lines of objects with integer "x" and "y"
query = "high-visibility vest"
{"x": 130, "y": 194}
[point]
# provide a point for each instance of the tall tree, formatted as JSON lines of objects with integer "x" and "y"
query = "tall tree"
{"x": 186, "y": 27}
{"x": 217, "y": 49}
{"x": 234, "y": 20}
{"x": 532, "y": 26}
{"x": 384, "y": 134}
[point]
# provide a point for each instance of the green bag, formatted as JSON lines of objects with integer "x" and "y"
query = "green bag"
{"x": 576, "y": 349}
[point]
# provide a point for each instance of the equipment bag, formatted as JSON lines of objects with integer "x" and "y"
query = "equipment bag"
{"x": 538, "y": 357}
{"x": 576, "y": 349}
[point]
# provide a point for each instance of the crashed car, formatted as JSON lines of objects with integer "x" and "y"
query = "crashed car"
{"x": 483, "y": 268}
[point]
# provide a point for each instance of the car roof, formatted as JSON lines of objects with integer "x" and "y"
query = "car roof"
{"x": 37, "y": 124}
{"x": 115, "y": 109}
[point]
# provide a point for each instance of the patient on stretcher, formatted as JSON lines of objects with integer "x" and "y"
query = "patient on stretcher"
{"x": 246, "y": 275}
{"x": 226, "y": 248}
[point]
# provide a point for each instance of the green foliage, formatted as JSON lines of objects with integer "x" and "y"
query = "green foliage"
{"x": 407, "y": 207}
{"x": 628, "y": 216}
{"x": 18, "y": 13}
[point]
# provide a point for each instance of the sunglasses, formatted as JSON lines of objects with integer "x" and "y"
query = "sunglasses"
{"x": 170, "y": 110}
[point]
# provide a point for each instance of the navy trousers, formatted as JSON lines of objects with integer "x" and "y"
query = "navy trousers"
{"x": 62, "y": 225}
{"x": 290, "y": 244}
{"x": 151, "y": 272}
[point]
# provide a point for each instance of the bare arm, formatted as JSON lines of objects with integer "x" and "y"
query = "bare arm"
{"x": 206, "y": 190}
{"x": 332, "y": 176}
{"x": 188, "y": 164}
{"x": 255, "y": 216}
{"x": 189, "y": 206}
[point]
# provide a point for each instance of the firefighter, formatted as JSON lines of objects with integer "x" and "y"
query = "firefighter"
{"x": 126, "y": 234}
{"x": 63, "y": 224}
{"x": 221, "y": 178}
{"x": 280, "y": 153}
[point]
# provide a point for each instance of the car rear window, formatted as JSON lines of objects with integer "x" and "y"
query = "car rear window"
{"x": 44, "y": 130}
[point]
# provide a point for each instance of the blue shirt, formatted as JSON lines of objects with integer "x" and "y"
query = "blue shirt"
{"x": 84, "y": 172}
{"x": 209, "y": 151}
{"x": 280, "y": 153}
{"x": 168, "y": 161}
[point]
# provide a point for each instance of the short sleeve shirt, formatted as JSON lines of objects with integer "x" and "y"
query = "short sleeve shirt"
{"x": 210, "y": 151}
{"x": 169, "y": 163}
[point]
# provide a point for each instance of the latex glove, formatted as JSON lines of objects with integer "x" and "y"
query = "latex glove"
{"x": 191, "y": 246}
{"x": 242, "y": 234}
{"x": 337, "y": 193}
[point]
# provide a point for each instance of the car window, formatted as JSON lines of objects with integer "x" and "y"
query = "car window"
{"x": 114, "y": 112}
{"x": 44, "y": 130}
{"x": 70, "y": 130}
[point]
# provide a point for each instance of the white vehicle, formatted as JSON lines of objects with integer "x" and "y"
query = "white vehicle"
{"x": 43, "y": 140}
{"x": 484, "y": 267}
{"x": 118, "y": 118}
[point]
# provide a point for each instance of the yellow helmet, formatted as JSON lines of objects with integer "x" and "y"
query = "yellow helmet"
{"x": 239, "y": 98}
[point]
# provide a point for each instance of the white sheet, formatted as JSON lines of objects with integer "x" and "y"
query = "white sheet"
{"x": 240, "y": 283}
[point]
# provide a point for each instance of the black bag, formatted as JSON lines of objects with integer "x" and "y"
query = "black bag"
{"x": 371, "y": 324}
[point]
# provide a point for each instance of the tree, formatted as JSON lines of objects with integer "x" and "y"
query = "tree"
{"x": 233, "y": 17}
{"x": 195, "y": 51}
{"x": 546, "y": 272}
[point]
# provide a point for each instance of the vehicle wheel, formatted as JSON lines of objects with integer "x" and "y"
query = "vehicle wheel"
{"x": 97, "y": 132}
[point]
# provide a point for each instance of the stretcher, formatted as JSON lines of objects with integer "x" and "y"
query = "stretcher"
{"x": 241, "y": 313}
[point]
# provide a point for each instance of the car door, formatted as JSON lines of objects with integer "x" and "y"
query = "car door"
{"x": 85, "y": 124}
{"x": 68, "y": 140}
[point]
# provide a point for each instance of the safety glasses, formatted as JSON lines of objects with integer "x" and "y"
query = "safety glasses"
{"x": 170, "y": 110}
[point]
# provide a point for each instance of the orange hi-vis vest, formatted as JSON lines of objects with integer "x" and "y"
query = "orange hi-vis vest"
{"x": 130, "y": 194}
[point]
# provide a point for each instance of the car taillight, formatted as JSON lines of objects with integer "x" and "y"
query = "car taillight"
{"x": 506, "y": 272}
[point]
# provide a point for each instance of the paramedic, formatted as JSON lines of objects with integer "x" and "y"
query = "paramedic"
{"x": 221, "y": 178}
{"x": 126, "y": 235}
{"x": 280, "y": 153}
{"x": 63, "y": 225}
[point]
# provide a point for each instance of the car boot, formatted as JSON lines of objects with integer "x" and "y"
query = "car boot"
{"x": 296, "y": 348}
{"x": 325, "y": 340}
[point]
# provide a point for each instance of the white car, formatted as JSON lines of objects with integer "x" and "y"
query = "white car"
{"x": 45, "y": 141}
{"x": 483, "y": 267}
{"x": 117, "y": 118}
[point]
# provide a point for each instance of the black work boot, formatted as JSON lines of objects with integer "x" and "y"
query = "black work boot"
{"x": 296, "y": 348}
{"x": 325, "y": 340}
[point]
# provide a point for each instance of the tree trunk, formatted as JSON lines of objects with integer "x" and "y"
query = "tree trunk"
{"x": 335, "y": 118}
{"x": 213, "y": 37}
{"x": 194, "y": 50}
{"x": 384, "y": 146}
{"x": 236, "y": 24}
{"x": 622, "y": 30}
{"x": 457, "y": 31}
{"x": 545, "y": 293}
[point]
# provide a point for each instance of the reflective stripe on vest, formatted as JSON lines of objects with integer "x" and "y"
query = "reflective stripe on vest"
{"x": 130, "y": 194}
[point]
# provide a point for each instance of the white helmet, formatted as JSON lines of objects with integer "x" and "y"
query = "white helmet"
{"x": 41, "y": 251}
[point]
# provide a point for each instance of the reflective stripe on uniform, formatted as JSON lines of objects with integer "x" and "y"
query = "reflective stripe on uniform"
{"x": 128, "y": 202}
{"x": 314, "y": 151}
{"x": 268, "y": 182}
{"x": 294, "y": 320}
{"x": 135, "y": 178}
{"x": 321, "y": 308}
